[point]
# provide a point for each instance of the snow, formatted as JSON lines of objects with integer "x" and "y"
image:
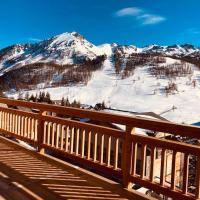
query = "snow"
{"x": 136, "y": 93}
{"x": 27, "y": 146}
{"x": 61, "y": 49}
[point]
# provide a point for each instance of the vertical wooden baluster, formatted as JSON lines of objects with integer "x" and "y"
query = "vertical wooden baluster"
{"x": 153, "y": 156}
{"x": 62, "y": 137}
{"x": 102, "y": 149}
{"x": 89, "y": 145}
{"x": 163, "y": 167}
{"x": 45, "y": 133}
{"x": 16, "y": 124}
{"x": 67, "y": 139}
{"x": 95, "y": 148}
{"x": 33, "y": 128}
{"x": 197, "y": 179}
{"x": 21, "y": 126}
{"x": 57, "y": 135}
{"x": 25, "y": 128}
{"x": 9, "y": 121}
{"x": 36, "y": 130}
{"x": 40, "y": 132}
{"x": 29, "y": 127}
{"x": 116, "y": 153}
{"x": 83, "y": 144}
{"x": 127, "y": 156}
{"x": 185, "y": 173}
{"x": 134, "y": 159}
{"x": 143, "y": 161}
{"x": 53, "y": 135}
{"x": 5, "y": 118}
{"x": 108, "y": 151}
{"x": 9, "y": 129}
{"x": 1, "y": 120}
{"x": 77, "y": 141}
{"x": 72, "y": 140}
{"x": 6, "y": 121}
{"x": 49, "y": 133}
{"x": 5, "y": 114}
{"x": 173, "y": 176}
{"x": 13, "y": 124}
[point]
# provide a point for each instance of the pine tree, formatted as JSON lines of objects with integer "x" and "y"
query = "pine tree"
{"x": 62, "y": 102}
{"x": 32, "y": 98}
{"x": 26, "y": 96}
{"x": 67, "y": 103}
{"x": 48, "y": 98}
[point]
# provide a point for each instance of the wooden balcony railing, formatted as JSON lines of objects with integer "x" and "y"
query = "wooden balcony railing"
{"x": 124, "y": 154}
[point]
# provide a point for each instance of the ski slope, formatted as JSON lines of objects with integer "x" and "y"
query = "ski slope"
{"x": 139, "y": 93}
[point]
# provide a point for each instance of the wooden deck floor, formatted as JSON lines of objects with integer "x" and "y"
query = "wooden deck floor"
{"x": 28, "y": 175}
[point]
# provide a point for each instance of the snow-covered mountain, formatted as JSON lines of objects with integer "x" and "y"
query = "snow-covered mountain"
{"x": 73, "y": 48}
{"x": 151, "y": 79}
{"x": 172, "y": 50}
{"x": 66, "y": 48}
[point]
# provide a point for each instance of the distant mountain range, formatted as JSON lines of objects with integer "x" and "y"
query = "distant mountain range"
{"x": 73, "y": 48}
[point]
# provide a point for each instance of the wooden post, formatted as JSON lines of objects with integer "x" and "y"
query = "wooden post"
{"x": 126, "y": 157}
{"x": 40, "y": 132}
{"x": 197, "y": 179}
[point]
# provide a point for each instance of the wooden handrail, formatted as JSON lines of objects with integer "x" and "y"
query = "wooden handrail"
{"x": 87, "y": 126}
{"x": 109, "y": 150}
{"x": 139, "y": 122}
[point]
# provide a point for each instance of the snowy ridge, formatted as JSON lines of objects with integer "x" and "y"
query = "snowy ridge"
{"x": 173, "y": 50}
{"x": 72, "y": 48}
{"x": 66, "y": 48}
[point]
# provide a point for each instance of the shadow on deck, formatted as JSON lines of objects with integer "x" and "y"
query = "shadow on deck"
{"x": 27, "y": 175}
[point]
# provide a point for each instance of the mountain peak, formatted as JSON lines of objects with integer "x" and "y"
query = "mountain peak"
{"x": 69, "y": 36}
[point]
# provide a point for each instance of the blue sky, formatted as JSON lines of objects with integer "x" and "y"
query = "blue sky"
{"x": 138, "y": 22}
